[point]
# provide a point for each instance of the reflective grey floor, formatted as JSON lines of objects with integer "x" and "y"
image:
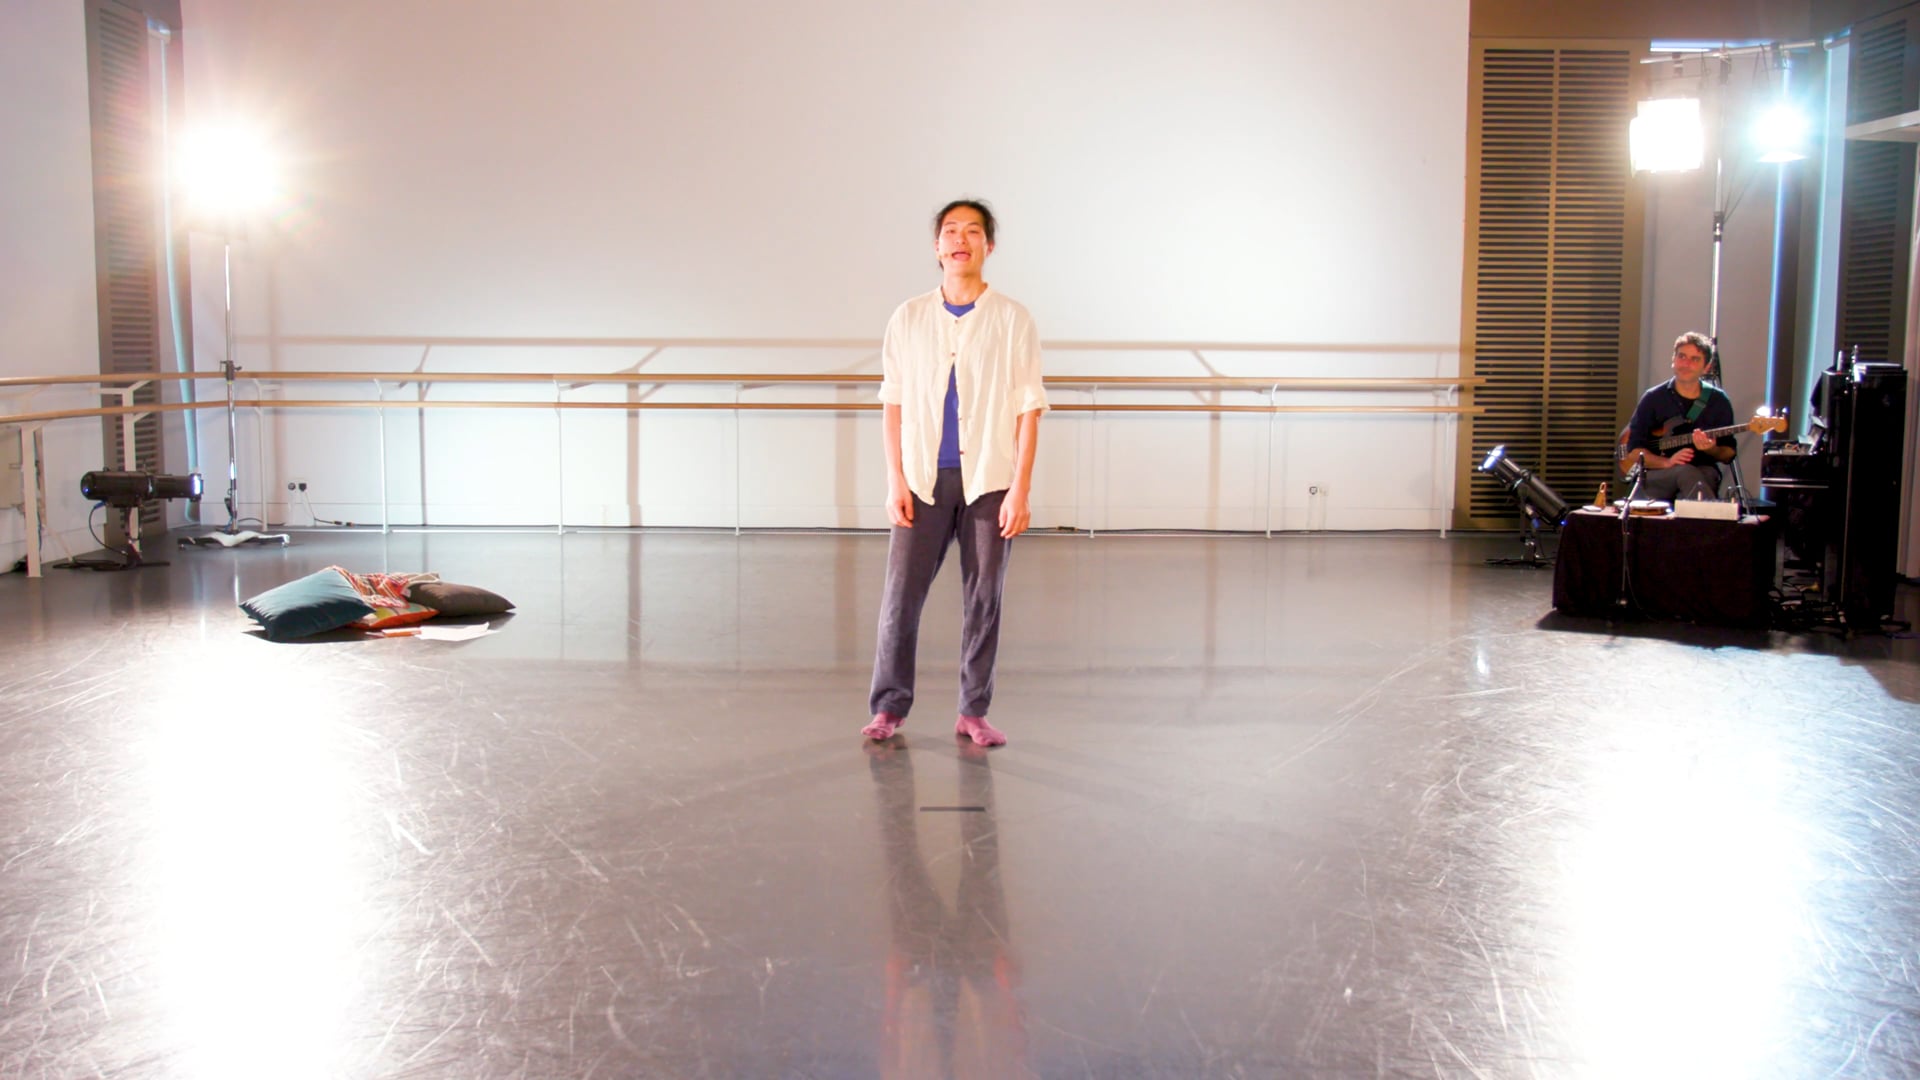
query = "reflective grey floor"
{"x": 1314, "y": 806}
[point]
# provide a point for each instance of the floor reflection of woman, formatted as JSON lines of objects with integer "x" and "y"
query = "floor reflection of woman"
{"x": 952, "y": 1004}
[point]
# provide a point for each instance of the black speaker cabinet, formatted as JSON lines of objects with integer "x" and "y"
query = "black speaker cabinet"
{"x": 1871, "y": 446}
{"x": 1807, "y": 512}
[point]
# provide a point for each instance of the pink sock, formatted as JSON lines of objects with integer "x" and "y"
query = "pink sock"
{"x": 977, "y": 729}
{"x": 883, "y": 726}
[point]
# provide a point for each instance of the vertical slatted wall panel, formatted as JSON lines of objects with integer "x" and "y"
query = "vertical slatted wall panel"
{"x": 1876, "y": 201}
{"x": 1551, "y": 306}
{"x": 126, "y": 208}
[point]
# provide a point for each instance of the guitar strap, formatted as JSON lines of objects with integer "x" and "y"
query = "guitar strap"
{"x": 1699, "y": 406}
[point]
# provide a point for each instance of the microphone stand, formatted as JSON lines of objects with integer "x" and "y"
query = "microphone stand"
{"x": 1638, "y": 476}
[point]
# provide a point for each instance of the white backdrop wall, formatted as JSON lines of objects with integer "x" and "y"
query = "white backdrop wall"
{"x": 511, "y": 187}
{"x": 49, "y": 322}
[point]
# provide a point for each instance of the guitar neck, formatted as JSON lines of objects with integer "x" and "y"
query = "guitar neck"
{"x": 1670, "y": 441}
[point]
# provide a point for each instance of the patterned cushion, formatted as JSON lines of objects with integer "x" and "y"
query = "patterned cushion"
{"x": 384, "y": 618}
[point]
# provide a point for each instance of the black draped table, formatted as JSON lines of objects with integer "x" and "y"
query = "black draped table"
{"x": 1683, "y": 568}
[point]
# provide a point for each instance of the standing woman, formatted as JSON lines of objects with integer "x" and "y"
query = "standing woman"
{"x": 960, "y": 386}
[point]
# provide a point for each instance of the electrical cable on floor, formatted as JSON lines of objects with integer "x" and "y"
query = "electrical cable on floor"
{"x": 98, "y": 539}
{"x": 129, "y": 556}
{"x": 1798, "y": 607}
{"x": 317, "y": 519}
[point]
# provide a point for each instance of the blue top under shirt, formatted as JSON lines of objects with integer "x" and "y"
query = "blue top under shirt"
{"x": 950, "y": 415}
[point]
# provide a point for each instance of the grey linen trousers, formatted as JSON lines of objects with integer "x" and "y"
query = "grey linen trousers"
{"x": 914, "y": 556}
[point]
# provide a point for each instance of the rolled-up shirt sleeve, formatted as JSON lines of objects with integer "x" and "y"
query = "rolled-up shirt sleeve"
{"x": 891, "y": 392}
{"x": 1030, "y": 391}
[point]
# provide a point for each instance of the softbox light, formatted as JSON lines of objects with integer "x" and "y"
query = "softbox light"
{"x": 1665, "y": 135}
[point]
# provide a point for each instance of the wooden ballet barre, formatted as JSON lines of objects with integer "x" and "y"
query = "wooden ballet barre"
{"x": 111, "y": 410}
{"x": 694, "y": 406}
{"x": 1237, "y": 382}
{"x": 103, "y": 378}
{"x": 1446, "y": 387}
{"x": 839, "y": 406}
{"x": 416, "y": 341}
{"x": 1431, "y": 410}
{"x": 1245, "y": 382}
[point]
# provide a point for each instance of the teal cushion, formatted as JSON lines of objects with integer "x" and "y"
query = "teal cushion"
{"x": 323, "y": 600}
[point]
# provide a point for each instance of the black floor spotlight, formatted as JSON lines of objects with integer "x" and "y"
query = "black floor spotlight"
{"x": 127, "y": 492}
{"x": 1539, "y": 504}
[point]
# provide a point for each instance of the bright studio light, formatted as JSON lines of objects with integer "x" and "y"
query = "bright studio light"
{"x": 1781, "y": 132}
{"x": 1666, "y": 136}
{"x": 228, "y": 169}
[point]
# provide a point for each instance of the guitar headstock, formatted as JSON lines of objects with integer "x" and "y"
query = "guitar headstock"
{"x": 1762, "y": 423}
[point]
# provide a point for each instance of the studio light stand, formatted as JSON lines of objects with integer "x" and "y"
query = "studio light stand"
{"x": 1714, "y": 373}
{"x": 232, "y": 535}
{"x": 1782, "y": 133}
{"x": 1530, "y": 538}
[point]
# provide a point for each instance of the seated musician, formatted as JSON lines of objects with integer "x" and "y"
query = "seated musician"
{"x": 1681, "y": 404}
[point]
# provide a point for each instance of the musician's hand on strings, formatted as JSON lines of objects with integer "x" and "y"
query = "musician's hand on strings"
{"x": 1680, "y": 457}
{"x": 1701, "y": 441}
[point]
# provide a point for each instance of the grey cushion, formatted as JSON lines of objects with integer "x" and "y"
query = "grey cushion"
{"x": 457, "y": 600}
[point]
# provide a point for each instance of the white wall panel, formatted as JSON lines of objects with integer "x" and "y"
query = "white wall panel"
{"x": 580, "y": 172}
{"x": 49, "y": 318}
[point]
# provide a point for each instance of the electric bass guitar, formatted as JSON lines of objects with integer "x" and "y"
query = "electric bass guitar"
{"x": 1664, "y": 442}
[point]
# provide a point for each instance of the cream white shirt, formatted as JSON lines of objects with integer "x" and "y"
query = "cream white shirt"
{"x": 994, "y": 353}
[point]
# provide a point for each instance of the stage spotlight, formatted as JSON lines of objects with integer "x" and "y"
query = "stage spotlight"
{"x": 124, "y": 490}
{"x": 1781, "y": 132}
{"x": 1665, "y": 135}
{"x": 1538, "y": 501}
{"x": 127, "y": 492}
